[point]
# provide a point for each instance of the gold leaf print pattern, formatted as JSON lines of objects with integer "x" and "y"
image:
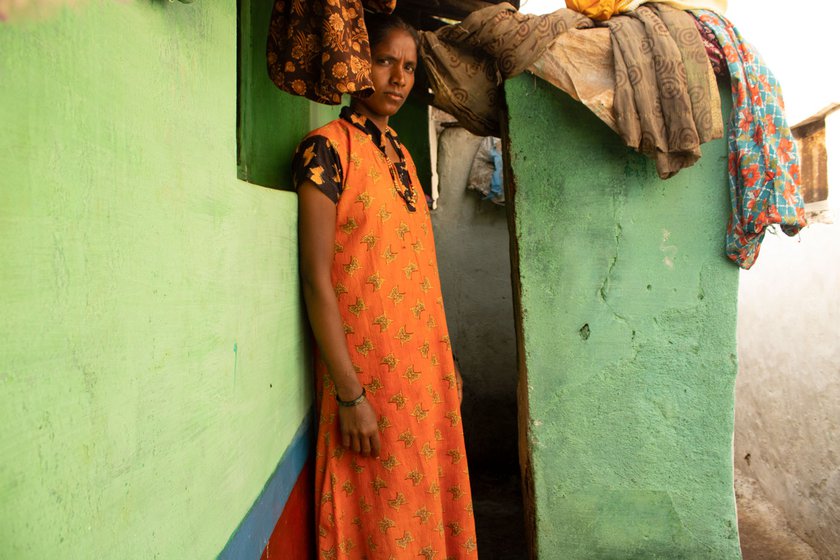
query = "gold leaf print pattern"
{"x": 391, "y": 361}
{"x": 375, "y": 280}
{"x": 411, "y": 374}
{"x": 398, "y": 501}
{"x": 378, "y": 484}
{"x": 407, "y": 438}
{"x": 403, "y": 336}
{"x": 396, "y": 296}
{"x": 383, "y": 322}
{"x": 374, "y": 385}
{"x": 418, "y": 308}
{"x": 420, "y": 413}
{"x": 383, "y": 214}
{"x": 383, "y": 423}
{"x": 402, "y": 229}
{"x": 369, "y": 240}
{"x": 365, "y": 347}
{"x": 349, "y": 226}
{"x": 390, "y": 463}
{"x": 351, "y": 267}
{"x": 415, "y": 477}
{"x": 425, "y": 285}
{"x": 389, "y": 255}
{"x": 423, "y": 514}
{"x": 365, "y": 199}
{"x": 357, "y": 308}
{"x": 399, "y": 400}
{"x": 386, "y": 524}
{"x": 406, "y": 540}
{"x": 410, "y": 269}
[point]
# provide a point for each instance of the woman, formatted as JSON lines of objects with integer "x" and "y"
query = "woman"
{"x": 391, "y": 471}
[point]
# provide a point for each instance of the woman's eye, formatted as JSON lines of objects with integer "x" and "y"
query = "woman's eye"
{"x": 409, "y": 68}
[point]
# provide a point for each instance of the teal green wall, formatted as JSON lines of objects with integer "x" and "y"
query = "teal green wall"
{"x": 627, "y": 315}
{"x": 152, "y": 348}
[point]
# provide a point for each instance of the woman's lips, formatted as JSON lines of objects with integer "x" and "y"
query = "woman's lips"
{"x": 394, "y": 95}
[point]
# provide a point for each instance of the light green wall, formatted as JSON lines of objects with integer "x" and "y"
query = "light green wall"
{"x": 628, "y": 311}
{"x": 152, "y": 353}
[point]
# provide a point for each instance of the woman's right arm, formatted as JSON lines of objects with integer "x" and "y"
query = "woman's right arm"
{"x": 359, "y": 430}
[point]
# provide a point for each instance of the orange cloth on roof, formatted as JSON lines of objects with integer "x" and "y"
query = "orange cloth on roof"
{"x": 599, "y": 10}
{"x": 602, "y": 10}
{"x": 414, "y": 501}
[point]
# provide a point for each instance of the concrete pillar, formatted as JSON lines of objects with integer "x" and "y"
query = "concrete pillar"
{"x": 626, "y": 310}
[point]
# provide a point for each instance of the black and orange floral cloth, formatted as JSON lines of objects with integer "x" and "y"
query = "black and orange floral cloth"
{"x": 319, "y": 48}
{"x": 414, "y": 501}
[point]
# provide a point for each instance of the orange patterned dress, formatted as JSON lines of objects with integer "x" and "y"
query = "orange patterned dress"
{"x": 413, "y": 502}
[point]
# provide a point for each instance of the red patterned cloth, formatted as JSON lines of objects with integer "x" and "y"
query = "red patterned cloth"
{"x": 319, "y": 48}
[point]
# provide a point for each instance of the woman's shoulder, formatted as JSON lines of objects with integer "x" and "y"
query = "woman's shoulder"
{"x": 334, "y": 130}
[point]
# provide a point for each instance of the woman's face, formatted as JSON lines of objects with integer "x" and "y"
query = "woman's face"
{"x": 393, "y": 61}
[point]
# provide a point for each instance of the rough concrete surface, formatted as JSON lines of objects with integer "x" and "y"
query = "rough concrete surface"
{"x": 628, "y": 309}
{"x": 765, "y": 534}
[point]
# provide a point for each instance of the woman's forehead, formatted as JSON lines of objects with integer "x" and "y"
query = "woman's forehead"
{"x": 396, "y": 40}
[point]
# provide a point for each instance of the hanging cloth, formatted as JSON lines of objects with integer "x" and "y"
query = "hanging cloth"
{"x": 467, "y": 62}
{"x": 602, "y": 10}
{"x": 319, "y": 48}
{"x": 666, "y": 101}
{"x": 764, "y": 181}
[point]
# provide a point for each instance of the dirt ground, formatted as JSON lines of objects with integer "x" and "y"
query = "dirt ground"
{"x": 497, "y": 501}
{"x": 765, "y": 535}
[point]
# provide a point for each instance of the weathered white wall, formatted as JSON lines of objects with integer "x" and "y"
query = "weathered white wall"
{"x": 787, "y": 420}
{"x": 471, "y": 236}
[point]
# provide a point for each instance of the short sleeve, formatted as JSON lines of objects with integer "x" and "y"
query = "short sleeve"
{"x": 317, "y": 160}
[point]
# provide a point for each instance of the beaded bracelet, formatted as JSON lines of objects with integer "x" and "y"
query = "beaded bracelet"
{"x": 352, "y": 403}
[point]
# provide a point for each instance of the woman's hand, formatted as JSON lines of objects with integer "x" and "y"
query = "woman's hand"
{"x": 359, "y": 431}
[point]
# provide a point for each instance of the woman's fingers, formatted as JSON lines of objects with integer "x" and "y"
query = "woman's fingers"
{"x": 365, "y": 446}
{"x": 356, "y": 442}
{"x": 374, "y": 444}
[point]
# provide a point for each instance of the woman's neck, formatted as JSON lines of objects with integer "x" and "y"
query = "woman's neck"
{"x": 381, "y": 122}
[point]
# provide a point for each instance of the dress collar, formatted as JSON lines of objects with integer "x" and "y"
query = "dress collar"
{"x": 368, "y": 127}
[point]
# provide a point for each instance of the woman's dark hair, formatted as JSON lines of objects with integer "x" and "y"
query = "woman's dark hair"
{"x": 379, "y": 25}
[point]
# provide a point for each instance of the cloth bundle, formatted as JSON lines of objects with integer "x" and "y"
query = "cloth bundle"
{"x": 467, "y": 62}
{"x": 666, "y": 102}
{"x": 602, "y": 10}
{"x": 652, "y": 81}
{"x": 319, "y": 48}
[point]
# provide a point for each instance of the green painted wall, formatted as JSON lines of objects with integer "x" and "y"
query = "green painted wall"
{"x": 152, "y": 355}
{"x": 627, "y": 346}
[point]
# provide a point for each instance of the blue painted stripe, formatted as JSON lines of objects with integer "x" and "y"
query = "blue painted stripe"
{"x": 250, "y": 538}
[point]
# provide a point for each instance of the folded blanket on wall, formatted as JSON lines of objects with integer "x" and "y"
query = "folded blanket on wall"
{"x": 319, "y": 48}
{"x": 764, "y": 179}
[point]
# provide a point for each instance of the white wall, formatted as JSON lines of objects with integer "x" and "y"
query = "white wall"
{"x": 787, "y": 422}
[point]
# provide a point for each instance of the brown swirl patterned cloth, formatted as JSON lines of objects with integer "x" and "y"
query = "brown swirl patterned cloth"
{"x": 665, "y": 101}
{"x": 319, "y": 48}
{"x": 664, "y": 96}
{"x": 467, "y": 62}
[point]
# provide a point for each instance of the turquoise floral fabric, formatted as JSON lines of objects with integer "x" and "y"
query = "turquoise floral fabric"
{"x": 764, "y": 178}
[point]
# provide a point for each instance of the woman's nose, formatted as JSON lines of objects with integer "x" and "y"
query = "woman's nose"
{"x": 398, "y": 75}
